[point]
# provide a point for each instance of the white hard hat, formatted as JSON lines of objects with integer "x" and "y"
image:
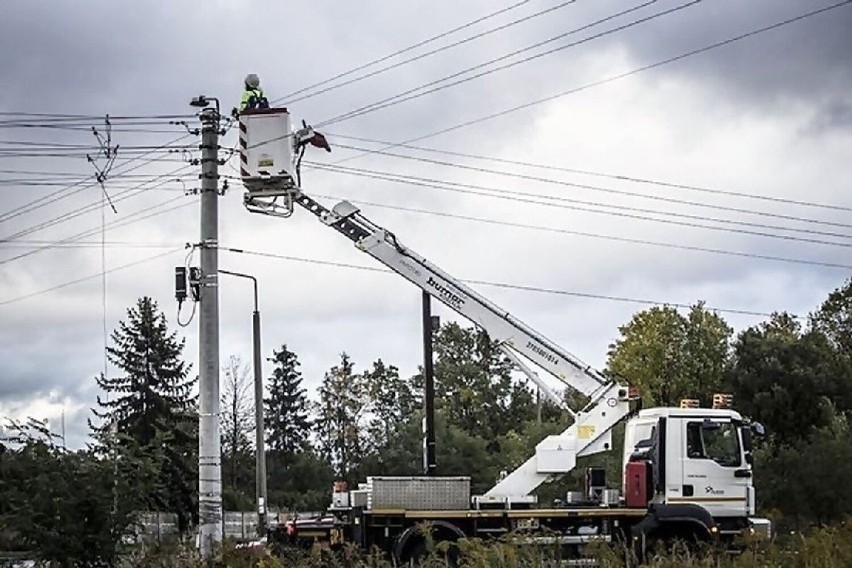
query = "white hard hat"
{"x": 252, "y": 80}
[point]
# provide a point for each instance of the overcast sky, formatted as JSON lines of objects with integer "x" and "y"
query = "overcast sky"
{"x": 768, "y": 116}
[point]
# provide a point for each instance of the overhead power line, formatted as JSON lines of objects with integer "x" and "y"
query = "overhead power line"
{"x": 505, "y": 285}
{"x": 93, "y": 206}
{"x": 91, "y": 117}
{"x": 135, "y": 217}
{"x": 616, "y": 177}
{"x": 601, "y": 189}
{"x": 404, "y": 50}
{"x": 89, "y": 277}
{"x": 579, "y": 205}
{"x": 84, "y": 183}
{"x": 614, "y": 78}
{"x": 436, "y": 85}
{"x": 601, "y": 236}
{"x": 435, "y": 51}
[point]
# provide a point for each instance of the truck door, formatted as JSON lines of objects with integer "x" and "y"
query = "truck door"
{"x": 715, "y": 474}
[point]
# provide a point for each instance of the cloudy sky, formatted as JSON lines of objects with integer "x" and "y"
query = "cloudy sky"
{"x": 669, "y": 170}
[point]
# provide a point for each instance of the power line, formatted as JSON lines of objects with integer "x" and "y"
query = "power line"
{"x": 90, "y": 117}
{"x": 616, "y": 177}
{"x": 524, "y": 197}
{"x": 124, "y": 221}
{"x": 613, "y": 78}
{"x": 411, "y": 94}
{"x": 62, "y": 193}
{"x": 85, "y": 278}
{"x": 120, "y": 196}
{"x": 610, "y": 190}
{"x": 615, "y": 238}
{"x": 404, "y": 50}
{"x": 504, "y": 285}
{"x": 435, "y": 51}
{"x": 84, "y": 244}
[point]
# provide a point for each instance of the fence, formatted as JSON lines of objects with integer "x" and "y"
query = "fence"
{"x": 160, "y": 527}
{"x": 239, "y": 525}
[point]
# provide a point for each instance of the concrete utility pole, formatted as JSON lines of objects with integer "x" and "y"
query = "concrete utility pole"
{"x": 209, "y": 449}
{"x": 260, "y": 449}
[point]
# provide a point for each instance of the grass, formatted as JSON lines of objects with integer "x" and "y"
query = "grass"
{"x": 829, "y": 547}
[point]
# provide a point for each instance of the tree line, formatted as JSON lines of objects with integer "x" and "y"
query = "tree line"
{"x": 794, "y": 376}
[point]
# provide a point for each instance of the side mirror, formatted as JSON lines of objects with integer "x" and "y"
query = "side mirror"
{"x": 758, "y": 429}
{"x": 746, "y": 432}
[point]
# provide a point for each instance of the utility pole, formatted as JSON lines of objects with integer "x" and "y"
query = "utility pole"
{"x": 429, "y": 459}
{"x": 260, "y": 449}
{"x": 209, "y": 449}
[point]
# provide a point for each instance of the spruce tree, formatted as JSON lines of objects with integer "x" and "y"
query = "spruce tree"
{"x": 151, "y": 404}
{"x": 286, "y": 410}
{"x": 340, "y": 413}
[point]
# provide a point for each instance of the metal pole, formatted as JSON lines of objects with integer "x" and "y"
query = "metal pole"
{"x": 209, "y": 449}
{"x": 429, "y": 396}
{"x": 260, "y": 449}
{"x": 260, "y": 452}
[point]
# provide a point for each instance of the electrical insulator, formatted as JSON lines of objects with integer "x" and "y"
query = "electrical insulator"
{"x": 195, "y": 283}
{"x": 180, "y": 284}
{"x": 689, "y": 403}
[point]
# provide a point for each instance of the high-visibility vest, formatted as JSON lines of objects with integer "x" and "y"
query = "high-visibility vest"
{"x": 253, "y": 98}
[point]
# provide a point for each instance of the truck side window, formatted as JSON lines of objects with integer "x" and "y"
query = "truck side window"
{"x": 720, "y": 443}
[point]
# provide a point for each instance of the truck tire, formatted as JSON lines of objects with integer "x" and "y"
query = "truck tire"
{"x": 411, "y": 547}
{"x": 668, "y": 525}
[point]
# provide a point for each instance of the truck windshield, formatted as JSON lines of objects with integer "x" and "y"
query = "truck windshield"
{"x": 719, "y": 443}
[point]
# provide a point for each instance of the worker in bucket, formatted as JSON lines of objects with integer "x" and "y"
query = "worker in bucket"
{"x": 253, "y": 96}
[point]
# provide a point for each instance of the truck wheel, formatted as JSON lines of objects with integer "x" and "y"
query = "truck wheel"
{"x": 418, "y": 552}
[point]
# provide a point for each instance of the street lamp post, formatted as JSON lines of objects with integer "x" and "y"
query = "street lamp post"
{"x": 260, "y": 451}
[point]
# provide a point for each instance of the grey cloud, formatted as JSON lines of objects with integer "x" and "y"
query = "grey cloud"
{"x": 803, "y": 60}
{"x": 835, "y": 115}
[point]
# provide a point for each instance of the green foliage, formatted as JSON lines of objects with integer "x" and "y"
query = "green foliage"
{"x": 151, "y": 406}
{"x": 474, "y": 386}
{"x": 286, "y": 410}
{"x": 670, "y": 356}
{"x": 299, "y": 483}
{"x": 829, "y": 547}
{"x": 790, "y": 380}
{"x": 390, "y": 401}
{"x": 807, "y": 482}
{"x": 71, "y": 508}
{"x": 834, "y": 319}
{"x": 339, "y": 412}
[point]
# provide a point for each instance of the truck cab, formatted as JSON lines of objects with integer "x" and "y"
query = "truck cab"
{"x": 691, "y": 456}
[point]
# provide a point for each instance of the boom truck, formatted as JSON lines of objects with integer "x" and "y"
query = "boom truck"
{"x": 687, "y": 471}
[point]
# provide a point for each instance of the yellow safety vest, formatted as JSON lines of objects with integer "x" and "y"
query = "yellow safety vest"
{"x": 251, "y": 98}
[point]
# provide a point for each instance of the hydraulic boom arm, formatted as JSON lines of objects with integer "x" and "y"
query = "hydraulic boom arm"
{"x": 591, "y": 431}
{"x": 267, "y": 164}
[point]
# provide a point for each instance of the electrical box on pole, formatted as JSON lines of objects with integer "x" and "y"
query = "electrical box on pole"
{"x": 180, "y": 284}
{"x": 195, "y": 283}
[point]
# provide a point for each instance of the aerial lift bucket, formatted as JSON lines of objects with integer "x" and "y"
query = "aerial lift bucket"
{"x": 266, "y": 161}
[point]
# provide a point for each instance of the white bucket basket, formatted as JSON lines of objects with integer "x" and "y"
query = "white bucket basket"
{"x": 266, "y": 152}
